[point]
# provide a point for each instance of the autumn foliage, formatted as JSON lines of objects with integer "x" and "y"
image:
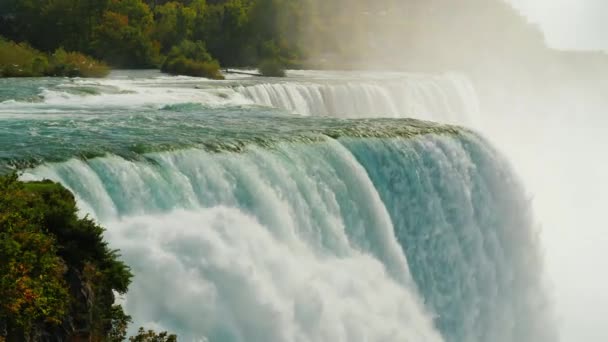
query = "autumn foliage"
{"x": 55, "y": 267}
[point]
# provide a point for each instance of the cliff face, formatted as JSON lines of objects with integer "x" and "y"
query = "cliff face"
{"x": 58, "y": 276}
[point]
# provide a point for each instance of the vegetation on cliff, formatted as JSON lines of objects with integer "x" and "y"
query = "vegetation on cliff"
{"x": 57, "y": 276}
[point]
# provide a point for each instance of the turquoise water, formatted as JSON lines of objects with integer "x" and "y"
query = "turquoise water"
{"x": 57, "y": 136}
{"x": 322, "y": 207}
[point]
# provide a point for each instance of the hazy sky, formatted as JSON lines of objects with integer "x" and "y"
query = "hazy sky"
{"x": 577, "y": 24}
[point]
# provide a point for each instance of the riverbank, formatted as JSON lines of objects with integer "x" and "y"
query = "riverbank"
{"x": 22, "y": 60}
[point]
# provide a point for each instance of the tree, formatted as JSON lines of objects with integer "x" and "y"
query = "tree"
{"x": 173, "y": 24}
{"x": 191, "y": 59}
{"x": 124, "y": 35}
{"x": 224, "y": 29}
{"x": 151, "y": 336}
{"x": 32, "y": 286}
{"x": 56, "y": 268}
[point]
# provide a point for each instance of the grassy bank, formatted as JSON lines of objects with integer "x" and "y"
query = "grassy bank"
{"x": 21, "y": 60}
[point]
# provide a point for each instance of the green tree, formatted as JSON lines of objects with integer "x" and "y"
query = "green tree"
{"x": 55, "y": 266}
{"x": 152, "y": 336}
{"x": 124, "y": 35}
{"x": 119, "y": 322}
{"x": 32, "y": 286}
{"x": 173, "y": 24}
{"x": 224, "y": 29}
{"x": 192, "y": 59}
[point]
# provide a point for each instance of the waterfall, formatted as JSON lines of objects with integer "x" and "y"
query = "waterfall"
{"x": 306, "y": 209}
{"x": 423, "y": 238}
{"x": 449, "y": 98}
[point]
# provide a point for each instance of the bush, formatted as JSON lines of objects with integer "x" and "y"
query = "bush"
{"x": 123, "y": 35}
{"x": 192, "y": 59}
{"x": 75, "y": 64}
{"x": 192, "y": 50}
{"x": 186, "y": 66}
{"x": 271, "y": 68}
{"x": 21, "y": 60}
{"x": 152, "y": 336}
{"x": 32, "y": 286}
{"x": 56, "y": 269}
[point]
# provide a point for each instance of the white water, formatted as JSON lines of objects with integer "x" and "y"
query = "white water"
{"x": 448, "y": 98}
{"x": 295, "y": 243}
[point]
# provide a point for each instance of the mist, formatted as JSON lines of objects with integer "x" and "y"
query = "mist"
{"x": 568, "y": 24}
{"x": 542, "y": 104}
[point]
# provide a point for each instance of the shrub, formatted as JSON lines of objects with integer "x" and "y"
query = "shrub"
{"x": 75, "y": 64}
{"x": 192, "y": 59}
{"x": 123, "y": 35}
{"x": 21, "y": 60}
{"x": 152, "y": 336}
{"x": 186, "y": 66}
{"x": 271, "y": 68}
{"x": 32, "y": 286}
{"x": 192, "y": 50}
{"x": 55, "y": 267}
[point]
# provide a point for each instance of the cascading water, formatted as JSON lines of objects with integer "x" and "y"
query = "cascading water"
{"x": 449, "y": 98}
{"x": 249, "y": 224}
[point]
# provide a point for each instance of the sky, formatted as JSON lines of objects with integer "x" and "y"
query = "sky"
{"x": 569, "y": 24}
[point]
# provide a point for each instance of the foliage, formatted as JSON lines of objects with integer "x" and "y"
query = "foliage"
{"x": 173, "y": 23}
{"x": 21, "y": 60}
{"x": 75, "y": 64}
{"x": 189, "y": 67}
{"x": 124, "y": 35}
{"x": 134, "y": 33}
{"x": 192, "y": 50}
{"x": 51, "y": 259}
{"x": 419, "y": 35}
{"x": 192, "y": 59}
{"x": 271, "y": 68}
{"x": 151, "y": 336}
{"x": 225, "y": 28}
{"x": 32, "y": 286}
{"x": 120, "y": 322}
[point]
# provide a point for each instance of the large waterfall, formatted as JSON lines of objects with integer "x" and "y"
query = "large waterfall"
{"x": 247, "y": 223}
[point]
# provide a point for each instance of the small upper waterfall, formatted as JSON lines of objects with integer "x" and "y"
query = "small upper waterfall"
{"x": 448, "y": 98}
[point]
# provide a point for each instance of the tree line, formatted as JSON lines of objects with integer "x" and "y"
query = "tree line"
{"x": 142, "y": 33}
{"x": 196, "y": 36}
